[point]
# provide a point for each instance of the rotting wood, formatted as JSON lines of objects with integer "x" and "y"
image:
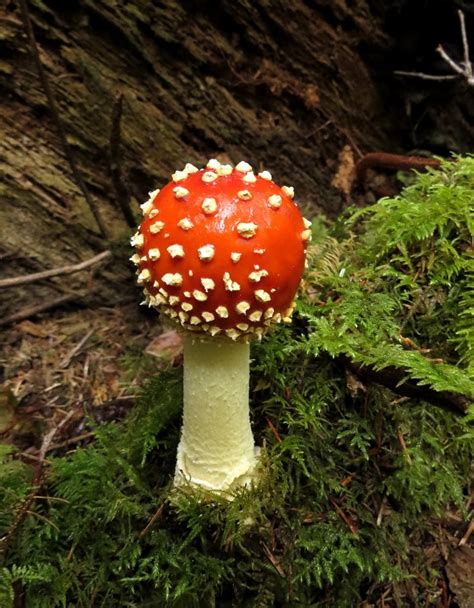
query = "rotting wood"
{"x": 57, "y": 119}
{"x": 198, "y": 82}
{"x": 121, "y": 192}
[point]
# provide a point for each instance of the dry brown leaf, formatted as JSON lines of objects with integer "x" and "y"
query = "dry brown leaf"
{"x": 354, "y": 385}
{"x": 28, "y": 327}
{"x": 167, "y": 345}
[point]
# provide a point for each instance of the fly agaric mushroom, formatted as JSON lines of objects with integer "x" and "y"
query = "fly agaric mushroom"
{"x": 221, "y": 252}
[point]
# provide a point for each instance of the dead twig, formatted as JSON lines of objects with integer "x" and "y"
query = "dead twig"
{"x": 273, "y": 560}
{"x": 467, "y": 534}
{"x": 53, "y": 272}
{"x": 27, "y": 504}
{"x": 121, "y": 192}
{"x": 68, "y": 358}
{"x": 273, "y": 429}
{"x": 463, "y": 69}
{"x": 30, "y": 311}
{"x": 381, "y": 511}
{"x": 71, "y": 441}
{"x": 57, "y": 119}
{"x": 397, "y": 162}
{"x": 402, "y": 441}
{"x": 152, "y": 521}
{"x": 71, "y": 552}
{"x": 424, "y": 76}
{"x": 344, "y": 517}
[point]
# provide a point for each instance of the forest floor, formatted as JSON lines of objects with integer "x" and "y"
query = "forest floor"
{"x": 73, "y": 360}
{"x": 74, "y": 369}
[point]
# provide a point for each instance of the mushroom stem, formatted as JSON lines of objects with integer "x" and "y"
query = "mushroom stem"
{"x": 216, "y": 449}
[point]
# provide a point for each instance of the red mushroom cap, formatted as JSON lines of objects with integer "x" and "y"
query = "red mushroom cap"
{"x": 221, "y": 250}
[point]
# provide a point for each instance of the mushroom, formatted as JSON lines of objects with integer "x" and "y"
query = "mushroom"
{"x": 221, "y": 252}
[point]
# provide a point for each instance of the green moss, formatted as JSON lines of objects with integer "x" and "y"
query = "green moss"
{"x": 351, "y": 476}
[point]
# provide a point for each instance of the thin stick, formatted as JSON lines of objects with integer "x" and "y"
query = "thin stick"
{"x": 71, "y": 441}
{"x": 273, "y": 429}
{"x": 394, "y": 378}
{"x": 402, "y": 441}
{"x": 53, "y": 272}
{"x": 465, "y": 44}
{"x": 467, "y": 534}
{"x": 121, "y": 192}
{"x": 68, "y": 358}
{"x": 392, "y": 161}
{"x": 273, "y": 560}
{"x": 449, "y": 61}
{"x": 30, "y": 311}
{"x": 464, "y": 70}
{"x": 55, "y": 114}
{"x": 423, "y": 76}
{"x": 152, "y": 521}
{"x": 71, "y": 551}
{"x": 343, "y": 516}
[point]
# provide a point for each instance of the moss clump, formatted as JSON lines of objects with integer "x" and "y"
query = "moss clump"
{"x": 352, "y": 476}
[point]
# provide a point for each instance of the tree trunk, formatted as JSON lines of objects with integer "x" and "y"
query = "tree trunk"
{"x": 280, "y": 84}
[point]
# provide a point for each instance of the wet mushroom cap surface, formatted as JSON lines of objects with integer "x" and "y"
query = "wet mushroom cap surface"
{"x": 221, "y": 250}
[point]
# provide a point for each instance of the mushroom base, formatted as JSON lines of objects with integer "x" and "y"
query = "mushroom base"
{"x": 216, "y": 450}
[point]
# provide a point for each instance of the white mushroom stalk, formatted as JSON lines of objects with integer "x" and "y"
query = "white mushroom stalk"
{"x": 220, "y": 252}
{"x": 216, "y": 450}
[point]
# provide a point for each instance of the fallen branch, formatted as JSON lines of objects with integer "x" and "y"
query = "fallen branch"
{"x": 121, "y": 192}
{"x": 56, "y": 118}
{"x": 396, "y": 162}
{"x": 71, "y": 441}
{"x": 27, "y": 504}
{"x": 53, "y": 272}
{"x": 395, "y": 379}
{"x": 30, "y": 311}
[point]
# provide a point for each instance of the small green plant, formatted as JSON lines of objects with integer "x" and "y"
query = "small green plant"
{"x": 351, "y": 476}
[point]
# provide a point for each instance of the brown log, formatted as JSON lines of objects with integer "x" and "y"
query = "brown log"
{"x": 285, "y": 85}
{"x": 272, "y": 84}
